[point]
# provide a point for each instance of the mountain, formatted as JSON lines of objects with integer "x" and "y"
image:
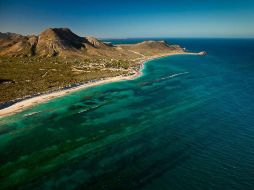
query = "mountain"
{"x": 17, "y": 45}
{"x": 55, "y": 41}
{"x": 63, "y": 42}
{"x": 50, "y": 42}
{"x": 148, "y": 48}
{"x": 152, "y": 44}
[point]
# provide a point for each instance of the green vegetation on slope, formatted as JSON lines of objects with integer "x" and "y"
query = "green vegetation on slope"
{"x": 22, "y": 76}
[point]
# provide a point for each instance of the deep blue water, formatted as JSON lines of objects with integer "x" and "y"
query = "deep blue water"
{"x": 187, "y": 123}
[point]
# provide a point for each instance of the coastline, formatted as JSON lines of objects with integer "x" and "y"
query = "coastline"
{"x": 28, "y": 103}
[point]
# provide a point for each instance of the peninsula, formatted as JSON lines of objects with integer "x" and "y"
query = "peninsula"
{"x": 35, "y": 69}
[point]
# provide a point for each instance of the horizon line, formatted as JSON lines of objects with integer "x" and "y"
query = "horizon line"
{"x": 149, "y": 37}
{"x": 176, "y": 37}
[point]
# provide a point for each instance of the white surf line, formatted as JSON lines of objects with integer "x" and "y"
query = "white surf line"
{"x": 175, "y": 75}
{"x": 30, "y": 114}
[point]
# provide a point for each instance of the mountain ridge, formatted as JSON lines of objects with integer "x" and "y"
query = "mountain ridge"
{"x": 63, "y": 42}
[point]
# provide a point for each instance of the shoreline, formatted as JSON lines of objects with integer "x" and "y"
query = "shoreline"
{"x": 34, "y": 100}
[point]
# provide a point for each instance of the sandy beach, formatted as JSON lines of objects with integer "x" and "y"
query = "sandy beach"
{"x": 27, "y": 103}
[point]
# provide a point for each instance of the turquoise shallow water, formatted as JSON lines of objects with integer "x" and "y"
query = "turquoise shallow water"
{"x": 187, "y": 123}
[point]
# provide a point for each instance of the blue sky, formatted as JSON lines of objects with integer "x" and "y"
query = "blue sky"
{"x": 139, "y": 18}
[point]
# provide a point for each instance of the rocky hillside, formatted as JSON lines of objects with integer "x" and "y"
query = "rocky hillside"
{"x": 62, "y": 42}
{"x": 148, "y": 48}
{"x": 12, "y": 44}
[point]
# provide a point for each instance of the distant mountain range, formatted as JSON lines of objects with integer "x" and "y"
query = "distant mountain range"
{"x": 63, "y": 42}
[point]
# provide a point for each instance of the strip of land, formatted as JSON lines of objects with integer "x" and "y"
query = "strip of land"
{"x": 27, "y": 103}
{"x": 38, "y": 68}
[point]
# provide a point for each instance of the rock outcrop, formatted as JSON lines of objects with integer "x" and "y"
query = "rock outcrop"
{"x": 95, "y": 42}
{"x": 55, "y": 41}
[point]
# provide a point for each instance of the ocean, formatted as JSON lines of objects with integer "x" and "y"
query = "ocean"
{"x": 186, "y": 123}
